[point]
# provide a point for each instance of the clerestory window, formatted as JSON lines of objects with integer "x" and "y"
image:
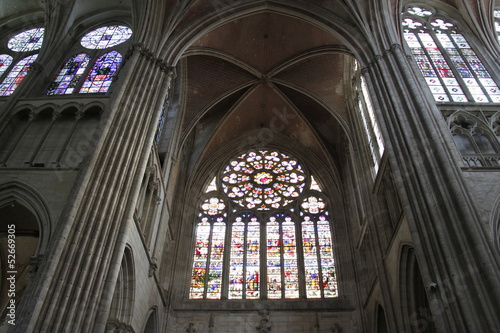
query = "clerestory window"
{"x": 496, "y": 16}
{"x": 263, "y": 231}
{"x": 451, "y": 67}
{"x": 98, "y": 73}
{"x": 15, "y": 65}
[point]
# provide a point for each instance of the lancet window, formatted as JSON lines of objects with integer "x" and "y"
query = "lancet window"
{"x": 450, "y": 65}
{"x": 15, "y": 66}
{"x": 104, "y": 66}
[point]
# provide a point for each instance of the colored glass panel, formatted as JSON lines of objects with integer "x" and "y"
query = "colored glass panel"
{"x": 253, "y": 260}
{"x": 214, "y": 280}
{"x": 314, "y": 185}
{"x": 68, "y": 77}
{"x": 16, "y": 75}
{"x": 329, "y": 278}
{"x": 263, "y": 180}
{"x": 273, "y": 259}
{"x": 464, "y": 77}
{"x": 5, "y": 61}
{"x": 290, "y": 271}
{"x": 313, "y": 205}
{"x": 29, "y": 40}
{"x": 198, "y": 275}
{"x": 310, "y": 259}
{"x": 100, "y": 77}
{"x": 236, "y": 269}
{"x": 212, "y": 186}
{"x": 105, "y": 37}
{"x": 213, "y": 206}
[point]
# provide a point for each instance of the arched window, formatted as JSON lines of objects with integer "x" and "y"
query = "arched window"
{"x": 496, "y": 16}
{"x": 98, "y": 78}
{"x": 70, "y": 74}
{"x": 450, "y": 66}
{"x": 22, "y": 47}
{"x": 263, "y": 232}
{"x": 370, "y": 125}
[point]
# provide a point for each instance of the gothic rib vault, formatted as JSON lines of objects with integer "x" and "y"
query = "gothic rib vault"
{"x": 105, "y": 188}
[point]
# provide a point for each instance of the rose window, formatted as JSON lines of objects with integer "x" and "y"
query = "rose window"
{"x": 263, "y": 180}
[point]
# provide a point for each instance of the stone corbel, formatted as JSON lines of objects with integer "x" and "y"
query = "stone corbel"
{"x": 153, "y": 266}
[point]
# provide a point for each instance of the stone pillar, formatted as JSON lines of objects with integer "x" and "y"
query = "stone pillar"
{"x": 451, "y": 245}
{"x": 76, "y": 281}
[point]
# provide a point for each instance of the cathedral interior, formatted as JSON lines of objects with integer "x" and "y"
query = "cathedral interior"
{"x": 249, "y": 166}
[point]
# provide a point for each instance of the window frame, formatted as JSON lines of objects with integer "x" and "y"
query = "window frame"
{"x": 469, "y": 38}
{"x": 94, "y": 54}
{"x": 233, "y": 211}
{"x": 18, "y": 56}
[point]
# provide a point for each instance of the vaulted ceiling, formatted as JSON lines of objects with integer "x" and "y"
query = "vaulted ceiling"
{"x": 263, "y": 75}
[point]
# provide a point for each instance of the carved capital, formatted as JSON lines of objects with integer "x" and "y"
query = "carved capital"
{"x": 36, "y": 66}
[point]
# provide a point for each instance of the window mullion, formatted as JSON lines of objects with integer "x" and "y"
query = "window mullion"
{"x": 466, "y": 61}
{"x": 318, "y": 257}
{"x": 431, "y": 61}
{"x": 263, "y": 258}
{"x": 226, "y": 262}
{"x": 452, "y": 66}
{"x": 300, "y": 259}
{"x": 282, "y": 260}
{"x": 245, "y": 252}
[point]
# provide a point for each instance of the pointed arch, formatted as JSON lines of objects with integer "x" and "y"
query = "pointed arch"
{"x": 19, "y": 193}
{"x": 100, "y": 77}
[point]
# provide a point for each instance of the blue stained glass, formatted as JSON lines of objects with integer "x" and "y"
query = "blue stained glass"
{"x": 5, "y": 61}
{"x": 69, "y": 75}
{"x": 100, "y": 77}
{"x": 16, "y": 75}
{"x": 105, "y": 37}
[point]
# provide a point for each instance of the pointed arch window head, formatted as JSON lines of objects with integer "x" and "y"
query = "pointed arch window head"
{"x": 69, "y": 75}
{"x": 100, "y": 77}
{"x": 277, "y": 246}
{"x": 105, "y": 37}
{"x": 450, "y": 66}
{"x": 16, "y": 75}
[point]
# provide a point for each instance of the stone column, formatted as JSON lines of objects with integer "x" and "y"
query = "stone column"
{"x": 76, "y": 281}
{"x": 451, "y": 245}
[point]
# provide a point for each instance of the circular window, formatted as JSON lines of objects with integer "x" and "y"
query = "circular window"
{"x": 105, "y": 37}
{"x": 28, "y": 40}
{"x": 263, "y": 180}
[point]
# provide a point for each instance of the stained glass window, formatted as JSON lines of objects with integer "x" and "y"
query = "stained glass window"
{"x": 263, "y": 180}
{"x": 496, "y": 15}
{"x": 100, "y": 77}
{"x": 29, "y": 40}
{"x": 26, "y": 41}
{"x": 270, "y": 252}
{"x": 16, "y": 75}
{"x": 206, "y": 277}
{"x": 69, "y": 75}
{"x": 370, "y": 124}
{"x": 5, "y": 61}
{"x": 451, "y": 68}
{"x": 105, "y": 37}
{"x": 244, "y": 272}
